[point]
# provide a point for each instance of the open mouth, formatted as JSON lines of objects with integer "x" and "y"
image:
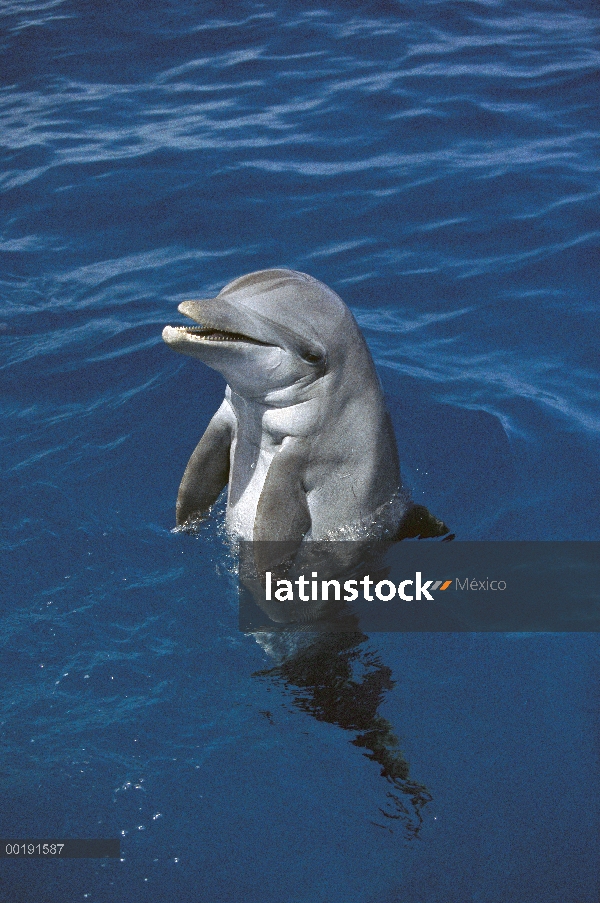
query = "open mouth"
{"x": 206, "y": 334}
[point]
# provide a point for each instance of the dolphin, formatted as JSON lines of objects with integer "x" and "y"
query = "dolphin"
{"x": 303, "y": 437}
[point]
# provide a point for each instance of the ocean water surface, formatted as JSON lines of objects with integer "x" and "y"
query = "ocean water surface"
{"x": 436, "y": 163}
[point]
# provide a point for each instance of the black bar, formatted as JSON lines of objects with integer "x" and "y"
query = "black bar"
{"x": 62, "y": 848}
{"x": 485, "y": 586}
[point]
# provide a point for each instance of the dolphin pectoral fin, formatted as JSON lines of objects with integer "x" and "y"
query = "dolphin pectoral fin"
{"x": 419, "y": 522}
{"x": 207, "y": 472}
{"x": 282, "y": 516}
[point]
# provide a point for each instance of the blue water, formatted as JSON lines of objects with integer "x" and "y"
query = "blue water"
{"x": 436, "y": 163}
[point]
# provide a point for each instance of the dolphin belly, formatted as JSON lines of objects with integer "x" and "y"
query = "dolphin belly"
{"x": 250, "y": 464}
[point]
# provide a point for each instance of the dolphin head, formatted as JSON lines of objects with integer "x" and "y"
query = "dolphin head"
{"x": 268, "y": 331}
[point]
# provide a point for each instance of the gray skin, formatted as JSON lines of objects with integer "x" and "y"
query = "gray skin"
{"x": 303, "y": 436}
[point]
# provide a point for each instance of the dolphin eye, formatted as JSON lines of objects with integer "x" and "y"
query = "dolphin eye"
{"x": 312, "y": 357}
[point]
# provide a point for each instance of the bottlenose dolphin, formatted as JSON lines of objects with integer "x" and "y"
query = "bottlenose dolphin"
{"x": 303, "y": 436}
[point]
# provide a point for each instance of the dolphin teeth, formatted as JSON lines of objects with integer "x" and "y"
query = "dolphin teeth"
{"x": 218, "y": 335}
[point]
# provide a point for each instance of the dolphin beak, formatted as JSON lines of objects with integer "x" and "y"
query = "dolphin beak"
{"x": 216, "y": 313}
{"x": 195, "y": 310}
{"x": 218, "y": 322}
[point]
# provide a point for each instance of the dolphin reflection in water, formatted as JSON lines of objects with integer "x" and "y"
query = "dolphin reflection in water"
{"x": 323, "y": 657}
{"x": 337, "y": 679}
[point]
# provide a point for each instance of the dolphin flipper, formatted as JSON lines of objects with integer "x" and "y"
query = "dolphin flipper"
{"x": 282, "y": 514}
{"x": 207, "y": 472}
{"x": 419, "y": 522}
